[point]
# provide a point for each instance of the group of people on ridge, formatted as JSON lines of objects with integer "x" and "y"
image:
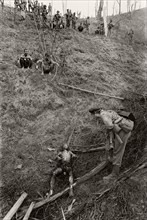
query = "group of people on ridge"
{"x": 44, "y": 13}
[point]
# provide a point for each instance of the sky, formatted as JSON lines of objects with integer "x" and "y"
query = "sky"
{"x": 87, "y": 7}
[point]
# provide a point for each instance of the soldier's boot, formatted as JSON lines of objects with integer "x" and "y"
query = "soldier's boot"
{"x": 113, "y": 176}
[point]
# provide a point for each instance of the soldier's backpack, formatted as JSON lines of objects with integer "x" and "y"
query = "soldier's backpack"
{"x": 127, "y": 115}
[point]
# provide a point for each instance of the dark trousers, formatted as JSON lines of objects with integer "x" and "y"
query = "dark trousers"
{"x": 48, "y": 70}
{"x": 25, "y": 63}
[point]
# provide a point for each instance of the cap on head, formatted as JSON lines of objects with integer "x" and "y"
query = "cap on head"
{"x": 95, "y": 110}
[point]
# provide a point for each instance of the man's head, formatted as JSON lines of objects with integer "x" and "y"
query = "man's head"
{"x": 58, "y": 12}
{"x": 25, "y": 52}
{"x": 95, "y": 111}
{"x": 65, "y": 147}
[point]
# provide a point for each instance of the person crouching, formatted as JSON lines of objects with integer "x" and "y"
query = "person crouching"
{"x": 25, "y": 60}
{"x": 47, "y": 64}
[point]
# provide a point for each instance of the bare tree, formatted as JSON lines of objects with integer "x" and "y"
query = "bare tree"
{"x": 114, "y": 8}
{"x": 2, "y": 4}
{"x": 99, "y": 14}
{"x": 119, "y": 4}
{"x": 128, "y": 5}
{"x": 96, "y": 8}
{"x": 135, "y": 4}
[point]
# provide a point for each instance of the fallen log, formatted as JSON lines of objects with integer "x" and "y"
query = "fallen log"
{"x": 91, "y": 92}
{"x": 93, "y": 172}
{"x": 27, "y": 215}
{"x": 89, "y": 151}
{"x": 79, "y": 181}
{"x": 106, "y": 189}
{"x": 15, "y": 207}
{"x": 63, "y": 214}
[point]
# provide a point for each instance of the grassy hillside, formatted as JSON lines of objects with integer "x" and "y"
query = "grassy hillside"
{"x": 37, "y": 113}
{"x": 137, "y": 20}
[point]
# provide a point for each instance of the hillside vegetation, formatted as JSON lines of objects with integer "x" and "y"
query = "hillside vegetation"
{"x": 37, "y": 112}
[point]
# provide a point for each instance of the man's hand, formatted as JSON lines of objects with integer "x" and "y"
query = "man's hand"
{"x": 116, "y": 128}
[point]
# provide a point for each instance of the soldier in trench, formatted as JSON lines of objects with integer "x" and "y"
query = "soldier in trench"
{"x": 119, "y": 131}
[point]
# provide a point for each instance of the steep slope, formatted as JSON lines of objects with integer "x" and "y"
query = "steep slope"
{"x": 37, "y": 112}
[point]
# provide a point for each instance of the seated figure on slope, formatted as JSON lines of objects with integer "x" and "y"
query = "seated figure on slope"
{"x": 80, "y": 27}
{"x": 46, "y": 64}
{"x": 25, "y": 60}
{"x": 64, "y": 166}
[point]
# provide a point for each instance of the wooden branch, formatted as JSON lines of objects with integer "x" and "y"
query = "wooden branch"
{"x": 89, "y": 151}
{"x": 79, "y": 181}
{"x": 91, "y": 92}
{"x": 27, "y": 215}
{"x": 63, "y": 214}
{"x": 93, "y": 172}
{"x": 105, "y": 189}
{"x": 15, "y": 207}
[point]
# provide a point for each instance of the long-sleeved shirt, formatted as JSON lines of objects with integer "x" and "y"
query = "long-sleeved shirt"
{"x": 110, "y": 117}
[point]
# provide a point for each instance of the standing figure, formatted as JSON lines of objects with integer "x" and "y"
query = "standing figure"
{"x": 64, "y": 165}
{"x": 44, "y": 14}
{"x": 68, "y": 18}
{"x": 50, "y": 9}
{"x": 74, "y": 20}
{"x": 17, "y": 4}
{"x": 130, "y": 36}
{"x": 30, "y": 4}
{"x": 110, "y": 26}
{"x": 50, "y": 15}
{"x": 23, "y": 5}
{"x": 87, "y": 23}
{"x": 56, "y": 19}
{"x": 119, "y": 130}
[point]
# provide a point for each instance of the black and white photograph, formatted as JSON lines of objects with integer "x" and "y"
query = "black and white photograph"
{"x": 73, "y": 109}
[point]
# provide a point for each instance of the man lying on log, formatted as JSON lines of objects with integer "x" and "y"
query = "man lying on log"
{"x": 119, "y": 128}
{"x": 64, "y": 165}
